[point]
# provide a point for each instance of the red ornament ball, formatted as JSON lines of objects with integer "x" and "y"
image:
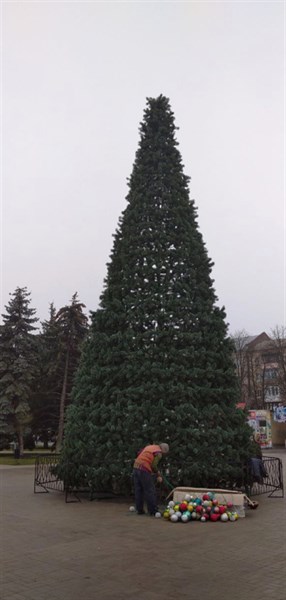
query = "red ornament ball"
{"x": 215, "y": 516}
{"x": 206, "y": 497}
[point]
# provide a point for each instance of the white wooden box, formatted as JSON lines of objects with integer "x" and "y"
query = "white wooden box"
{"x": 223, "y": 496}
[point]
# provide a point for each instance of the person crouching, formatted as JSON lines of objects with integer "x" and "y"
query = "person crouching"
{"x": 144, "y": 468}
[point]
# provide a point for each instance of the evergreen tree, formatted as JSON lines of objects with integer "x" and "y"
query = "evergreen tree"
{"x": 158, "y": 363}
{"x": 45, "y": 401}
{"x": 73, "y": 326}
{"x": 18, "y": 364}
{"x": 60, "y": 347}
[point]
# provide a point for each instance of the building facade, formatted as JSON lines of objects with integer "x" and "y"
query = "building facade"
{"x": 261, "y": 369}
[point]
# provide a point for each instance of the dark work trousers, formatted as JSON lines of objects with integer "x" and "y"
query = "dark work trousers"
{"x": 144, "y": 487}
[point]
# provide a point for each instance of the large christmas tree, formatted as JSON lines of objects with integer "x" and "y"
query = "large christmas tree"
{"x": 158, "y": 363}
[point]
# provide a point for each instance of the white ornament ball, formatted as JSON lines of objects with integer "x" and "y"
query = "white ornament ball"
{"x": 174, "y": 518}
{"x": 132, "y": 508}
{"x": 224, "y": 517}
{"x": 171, "y": 504}
{"x": 188, "y": 497}
{"x": 179, "y": 514}
{"x": 184, "y": 518}
{"x": 171, "y": 511}
{"x": 203, "y": 519}
{"x": 157, "y": 515}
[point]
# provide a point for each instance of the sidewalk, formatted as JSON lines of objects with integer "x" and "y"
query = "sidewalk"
{"x": 100, "y": 551}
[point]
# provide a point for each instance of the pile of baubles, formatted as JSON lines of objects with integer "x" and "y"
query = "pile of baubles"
{"x": 203, "y": 509}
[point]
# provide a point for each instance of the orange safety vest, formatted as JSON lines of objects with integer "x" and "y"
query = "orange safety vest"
{"x": 145, "y": 458}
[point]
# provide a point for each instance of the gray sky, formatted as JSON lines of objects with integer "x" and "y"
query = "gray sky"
{"x": 74, "y": 82}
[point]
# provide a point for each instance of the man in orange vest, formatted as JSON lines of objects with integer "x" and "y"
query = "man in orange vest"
{"x": 144, "y": 468}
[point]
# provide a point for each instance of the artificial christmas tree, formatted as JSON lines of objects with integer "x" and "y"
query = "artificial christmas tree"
{"x": 158, "y": 364}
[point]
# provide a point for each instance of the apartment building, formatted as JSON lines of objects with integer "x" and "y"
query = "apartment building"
{"x": 261, "y": 368}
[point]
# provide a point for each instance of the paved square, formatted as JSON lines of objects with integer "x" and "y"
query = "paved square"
{"x": 100, "y": 551}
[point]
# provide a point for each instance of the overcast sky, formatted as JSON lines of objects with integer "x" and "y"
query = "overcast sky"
{"x": 74, "y": 83}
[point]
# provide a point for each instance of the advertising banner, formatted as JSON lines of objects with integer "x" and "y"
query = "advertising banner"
{"x": 279, "y": 414}
{"x": 260, "y": 421}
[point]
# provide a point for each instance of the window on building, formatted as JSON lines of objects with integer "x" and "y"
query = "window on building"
{"x": 270, "y": 374}
{"x": 272, "y": 392}
{"x": 270, "y": 358}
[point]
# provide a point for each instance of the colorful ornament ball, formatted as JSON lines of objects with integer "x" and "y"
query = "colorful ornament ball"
{"x": 203, "y": 509}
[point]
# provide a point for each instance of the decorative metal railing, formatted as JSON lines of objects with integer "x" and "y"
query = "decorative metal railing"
{"x": 46, "y": 480}
{"x": 273, "y": 483}
{"x": 45, "y": 474}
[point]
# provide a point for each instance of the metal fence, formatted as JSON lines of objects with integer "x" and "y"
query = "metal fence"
{"x": 45, "y": 478}
{"x": 272, "y": 484}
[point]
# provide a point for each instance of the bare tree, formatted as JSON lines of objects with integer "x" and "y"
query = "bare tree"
{"x": 251, "y": 368}
{"x": 240, "y": 358}
{"x": 279, "y": 345}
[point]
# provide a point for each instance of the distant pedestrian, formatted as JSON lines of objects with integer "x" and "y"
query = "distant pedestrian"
{"x": 16, "y": 448}
{"x": 145, "y": 471}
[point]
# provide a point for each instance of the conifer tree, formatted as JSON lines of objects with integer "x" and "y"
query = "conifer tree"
{"x": 73, "y": 326}
{"x": 59, "y": 353}
{"x": 45, "y": 400}
{"x": 18, "y": 364}
{"x": 158, "y": 362}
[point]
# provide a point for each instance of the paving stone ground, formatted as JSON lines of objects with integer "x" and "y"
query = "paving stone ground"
{"x": 100, "y": 551}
